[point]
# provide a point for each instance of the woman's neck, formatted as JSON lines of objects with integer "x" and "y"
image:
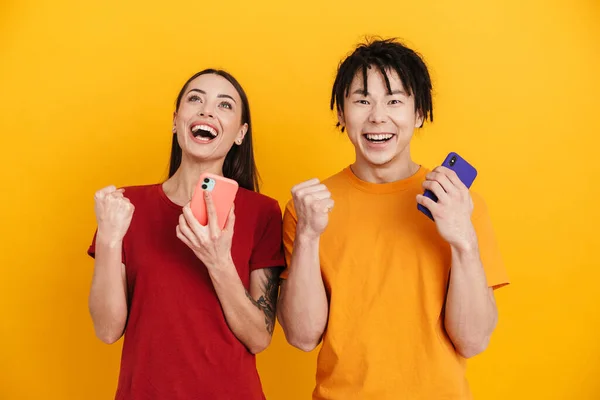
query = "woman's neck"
{"x": 180, "y": 187}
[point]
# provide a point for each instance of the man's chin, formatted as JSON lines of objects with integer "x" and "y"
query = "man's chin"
{"x": 379, "y": 160}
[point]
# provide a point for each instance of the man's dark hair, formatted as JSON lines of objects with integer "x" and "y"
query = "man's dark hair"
{"x": 385, "y": 55}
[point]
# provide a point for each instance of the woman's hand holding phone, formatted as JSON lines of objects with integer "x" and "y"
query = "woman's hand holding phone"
{"x": 210, "y": 243}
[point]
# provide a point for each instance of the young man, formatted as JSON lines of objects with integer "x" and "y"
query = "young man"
{"x": 398, "y": 300}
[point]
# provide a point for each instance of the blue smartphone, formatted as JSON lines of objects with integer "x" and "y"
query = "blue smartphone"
{"x": 465, "y": 171}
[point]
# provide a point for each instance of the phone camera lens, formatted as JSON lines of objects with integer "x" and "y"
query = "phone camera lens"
{"x": 206, "y": 180}
{"x": 204, "y": 187}
{"x": 452, "y": 161}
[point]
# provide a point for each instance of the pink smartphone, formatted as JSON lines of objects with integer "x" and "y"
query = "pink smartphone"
{"x": 223, "y": 192}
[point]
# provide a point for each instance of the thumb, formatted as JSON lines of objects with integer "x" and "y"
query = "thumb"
{"x": 328, "y": 205}
{"x": 100, "y": 194}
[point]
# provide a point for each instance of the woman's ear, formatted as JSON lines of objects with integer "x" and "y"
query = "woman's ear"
{"x": 241, "y": 134}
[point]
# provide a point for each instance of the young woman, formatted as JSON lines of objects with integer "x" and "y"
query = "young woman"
{"x": 195, "y": 302}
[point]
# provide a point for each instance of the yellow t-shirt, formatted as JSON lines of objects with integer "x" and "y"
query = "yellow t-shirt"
{"x": 386, "y": 272}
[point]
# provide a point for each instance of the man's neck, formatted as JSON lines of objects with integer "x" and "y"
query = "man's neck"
{"x": 397, "y": 169}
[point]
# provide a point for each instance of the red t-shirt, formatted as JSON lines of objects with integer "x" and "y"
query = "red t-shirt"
{"x": 177, "y": 342}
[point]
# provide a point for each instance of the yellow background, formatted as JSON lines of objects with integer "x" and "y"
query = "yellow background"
{"x": 87, "y": 92}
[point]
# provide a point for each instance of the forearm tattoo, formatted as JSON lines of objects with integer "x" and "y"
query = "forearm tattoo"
{"x": 268, "y": 300}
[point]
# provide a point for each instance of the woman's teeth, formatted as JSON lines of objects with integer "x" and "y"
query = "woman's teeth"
{"x": 204, "y": 131}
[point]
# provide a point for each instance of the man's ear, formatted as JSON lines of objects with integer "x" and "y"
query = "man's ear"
{"x": 418, "y": 119}
{"x": 341, "y": 120}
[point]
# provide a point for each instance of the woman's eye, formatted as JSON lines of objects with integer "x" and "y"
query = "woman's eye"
{"x": 194, "y": 98}
{"x": 226, "y": 105}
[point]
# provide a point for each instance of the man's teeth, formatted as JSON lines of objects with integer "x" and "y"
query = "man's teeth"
{"x": 384, "y": 136}
{"x": 206, "y": 128}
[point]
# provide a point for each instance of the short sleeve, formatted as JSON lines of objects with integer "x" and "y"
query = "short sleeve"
{"x": 489, "y": 251}
{"x": 92, "y": 249}
{"x": 289, "y": 233}
{"x": 268, "y": 250}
